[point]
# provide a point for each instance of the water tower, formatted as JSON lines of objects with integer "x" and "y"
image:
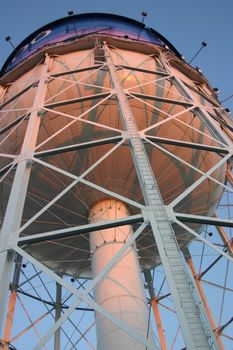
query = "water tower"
{"x": 114, "y": 156}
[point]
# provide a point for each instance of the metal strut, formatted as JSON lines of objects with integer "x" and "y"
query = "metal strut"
{"x": 155, "y": 308}
{"x": 11, "y": 305}
{"x": 17, "y": 197}
{"x": 195, "y": 334}
{"x": 203, "y": 297}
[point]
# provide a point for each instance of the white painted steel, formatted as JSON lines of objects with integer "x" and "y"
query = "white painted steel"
{"x": 58, "y": 312}
{"x": 84, "y": 296}
{"x": 196, "y": 334}
{"x": 121, "y": 291}
{"x": 16, "y": 201}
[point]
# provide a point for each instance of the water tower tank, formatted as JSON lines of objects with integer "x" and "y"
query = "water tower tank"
{"x": 87, "y": 77}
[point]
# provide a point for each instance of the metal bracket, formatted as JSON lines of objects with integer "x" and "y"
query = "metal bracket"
{"x": 171, "y": 214}
{"x": 4, "y": 243}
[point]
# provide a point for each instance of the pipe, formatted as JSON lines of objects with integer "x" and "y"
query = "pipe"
{"x": 121, "y": 291}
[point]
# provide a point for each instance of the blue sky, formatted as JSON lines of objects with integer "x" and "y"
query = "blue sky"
{"x": 184, "y": 23}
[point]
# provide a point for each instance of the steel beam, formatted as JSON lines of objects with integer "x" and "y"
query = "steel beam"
{"x": 74, "y": 71}
{"x": 228, "y": 242}
{"x": 193, "y": 329}
{"x": 155, "y": 308}
{"x": 12, "y": 304}
{"x": 6, "y": 169}
{"x": 80, "y": 230}
{"x": 73, "y": 84}
{"x": 142, "y": 70}
{"x": 58, "y": 312}
{"x": 3, "y": 90}
{"x": 17, "y": 197}
{"x": 203, "y": 297}
{"x": 193, "y": 145}
{"x": 77, "y": 100}
{"x": 14, "y": 123}
{"x": 201, "y": 179}
{"x": 208, "y": 120}
{"x": 78, "y": 146}
{"x": 148, "y": 82}
{"x": 207, "y": 220}
{"x": 84, "y": 296}
{"x": 74, "y": 120}
{"x": 200, "y": 238}
{"x": 18, "y": 95}
{"x": 158, "y": 320}
{"x": 230, "y": 176}
{"x": 161, "y": 99}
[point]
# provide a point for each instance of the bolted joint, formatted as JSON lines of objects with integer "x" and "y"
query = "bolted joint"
{"x": 170, "y": 214}
{"x": 145, "y": 213}
{"x": 3, "y": 344}
{"x": 29, "y": 163}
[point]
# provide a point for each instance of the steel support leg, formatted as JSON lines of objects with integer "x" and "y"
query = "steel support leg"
{"x": 12, "y": 304}
{"x": 230, "y": 176}
{"x": 17, "y": 197}
{"x": 194, "y": 334}
{"x": 3, "y": 91}
{"x": 58, "y": 310}
{"x": 227, "y": 242}
{"x": 203, "y": 297}
{"x": 158, "y": 320}
{"x": 155, "y": 308}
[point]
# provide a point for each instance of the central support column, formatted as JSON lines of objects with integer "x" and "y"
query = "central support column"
{"x": 121, "y": 292}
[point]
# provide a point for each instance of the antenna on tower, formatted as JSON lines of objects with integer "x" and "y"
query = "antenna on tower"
{"x": 8, "y": 39}
{"x": 216, "y": 90}
{"x": 144, "y": 14}
{"x": 203, "y": 44}
{"x": 227, "y": 98}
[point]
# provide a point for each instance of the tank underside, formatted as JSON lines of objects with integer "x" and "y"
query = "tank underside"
{"x": 82, "y": 138}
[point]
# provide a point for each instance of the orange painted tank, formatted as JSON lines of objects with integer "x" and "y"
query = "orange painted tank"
{"x": 68, "y": 117}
